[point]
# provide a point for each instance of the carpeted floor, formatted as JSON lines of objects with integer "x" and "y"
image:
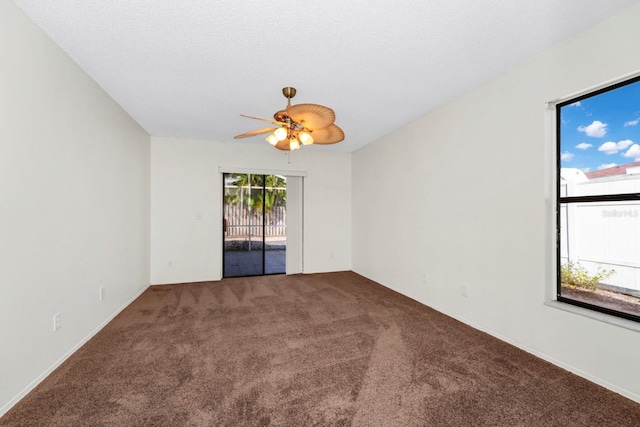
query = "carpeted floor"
{"x": 330, "y": 349}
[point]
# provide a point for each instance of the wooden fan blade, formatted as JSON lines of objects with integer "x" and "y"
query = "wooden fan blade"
{"x": 254, "y": 132}
{"x": 312, "y": 116}
{"x": 329, "y": 135}
{"x": 264, "y": 120}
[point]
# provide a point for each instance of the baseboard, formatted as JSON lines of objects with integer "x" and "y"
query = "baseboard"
{"x": 64, "y": 357}
{"x": 621, "y": 391}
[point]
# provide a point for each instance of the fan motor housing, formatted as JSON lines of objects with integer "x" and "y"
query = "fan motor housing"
{"x": 281, "y": 116}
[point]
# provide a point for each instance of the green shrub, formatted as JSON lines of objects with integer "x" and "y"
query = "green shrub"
{"x": 575, "y": 275}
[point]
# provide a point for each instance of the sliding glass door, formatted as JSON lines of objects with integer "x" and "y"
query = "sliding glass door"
{"x": 254, "y": 226}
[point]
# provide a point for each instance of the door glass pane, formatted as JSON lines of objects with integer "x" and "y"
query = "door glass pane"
{"x": 243, "y": 220}
{"x": 275, "y": 224}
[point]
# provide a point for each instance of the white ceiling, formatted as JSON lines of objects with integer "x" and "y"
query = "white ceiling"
{"x": 189, "y": 68}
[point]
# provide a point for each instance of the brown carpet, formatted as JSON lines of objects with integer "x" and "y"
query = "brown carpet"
{"x": 330, "y": 349}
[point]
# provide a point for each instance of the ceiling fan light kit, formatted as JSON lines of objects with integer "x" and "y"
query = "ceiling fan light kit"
{"x": 302, "y": 124}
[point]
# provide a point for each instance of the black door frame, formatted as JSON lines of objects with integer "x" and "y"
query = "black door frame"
{"x": 264, "y": 236}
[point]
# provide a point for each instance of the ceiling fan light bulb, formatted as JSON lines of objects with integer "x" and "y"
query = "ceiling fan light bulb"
{"x": 305, "y": 138}
{"x": 281, "y": 134}
{"x": 271, "y": 139}
{"x": 294, "y": 144}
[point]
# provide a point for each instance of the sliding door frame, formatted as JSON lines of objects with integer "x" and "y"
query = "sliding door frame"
{"x": 294, "y": 261}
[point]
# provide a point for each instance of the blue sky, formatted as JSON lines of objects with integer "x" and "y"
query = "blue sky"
{"x": 602, "y": 131}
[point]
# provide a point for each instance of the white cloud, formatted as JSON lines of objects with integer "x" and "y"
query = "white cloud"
{"x": 583, "y": 146}
{"x": 575, "y": 104}
{"x": 566, "y": 156}
{"x": 607, "y": 166}
{"x": 633, "y": 152}
{"x": 624, "y": 144}
{"x": 611, "y": 147}
{"x": 632, "y": 122}
{"x": 585, "y": 170}
{"x": 597, "y": 129}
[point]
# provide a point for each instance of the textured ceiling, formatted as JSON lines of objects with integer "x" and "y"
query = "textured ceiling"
{"x": 189, "y": 68}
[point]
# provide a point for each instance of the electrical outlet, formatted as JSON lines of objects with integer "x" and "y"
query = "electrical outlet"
{"x": 101, "y": 293}
{"x": 465, "y": 290}
{"x": 425, "y": 278}
{"x": 56, "y": 322}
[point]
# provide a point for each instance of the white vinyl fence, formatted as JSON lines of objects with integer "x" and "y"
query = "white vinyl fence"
{"x": 603, "y": 234}
{"x": 239, "y": 222}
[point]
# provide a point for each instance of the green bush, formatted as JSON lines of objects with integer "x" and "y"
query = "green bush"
{"x": 575, "y": 275}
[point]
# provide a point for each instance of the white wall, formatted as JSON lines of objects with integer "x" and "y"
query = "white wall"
{"x": 462, "y": 194}
{"x": 186, "y": 185}
{"x": 74, "y": 204}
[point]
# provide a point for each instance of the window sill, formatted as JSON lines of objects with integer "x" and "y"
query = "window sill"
{"x": 596, "y": 315}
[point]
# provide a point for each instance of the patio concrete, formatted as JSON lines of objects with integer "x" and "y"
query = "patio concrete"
{"x": 249, "y": 263}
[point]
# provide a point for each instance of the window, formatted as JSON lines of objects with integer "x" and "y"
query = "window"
{"x": 598, "y": 200}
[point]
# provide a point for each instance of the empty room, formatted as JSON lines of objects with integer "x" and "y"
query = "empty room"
{"x": 411, "y": 213}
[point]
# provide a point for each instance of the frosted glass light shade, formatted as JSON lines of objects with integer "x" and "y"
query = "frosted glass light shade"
{"x": 305, "y": 138}
{"x": 294, "y": 144}
{"x": 281, "y": 134}
{"x": 271, "y": 139}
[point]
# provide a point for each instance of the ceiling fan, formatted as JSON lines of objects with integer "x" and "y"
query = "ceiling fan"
{"x": 304, "y": 124}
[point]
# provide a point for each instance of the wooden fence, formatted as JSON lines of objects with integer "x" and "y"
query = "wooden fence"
{"x": 238, "y": 222}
